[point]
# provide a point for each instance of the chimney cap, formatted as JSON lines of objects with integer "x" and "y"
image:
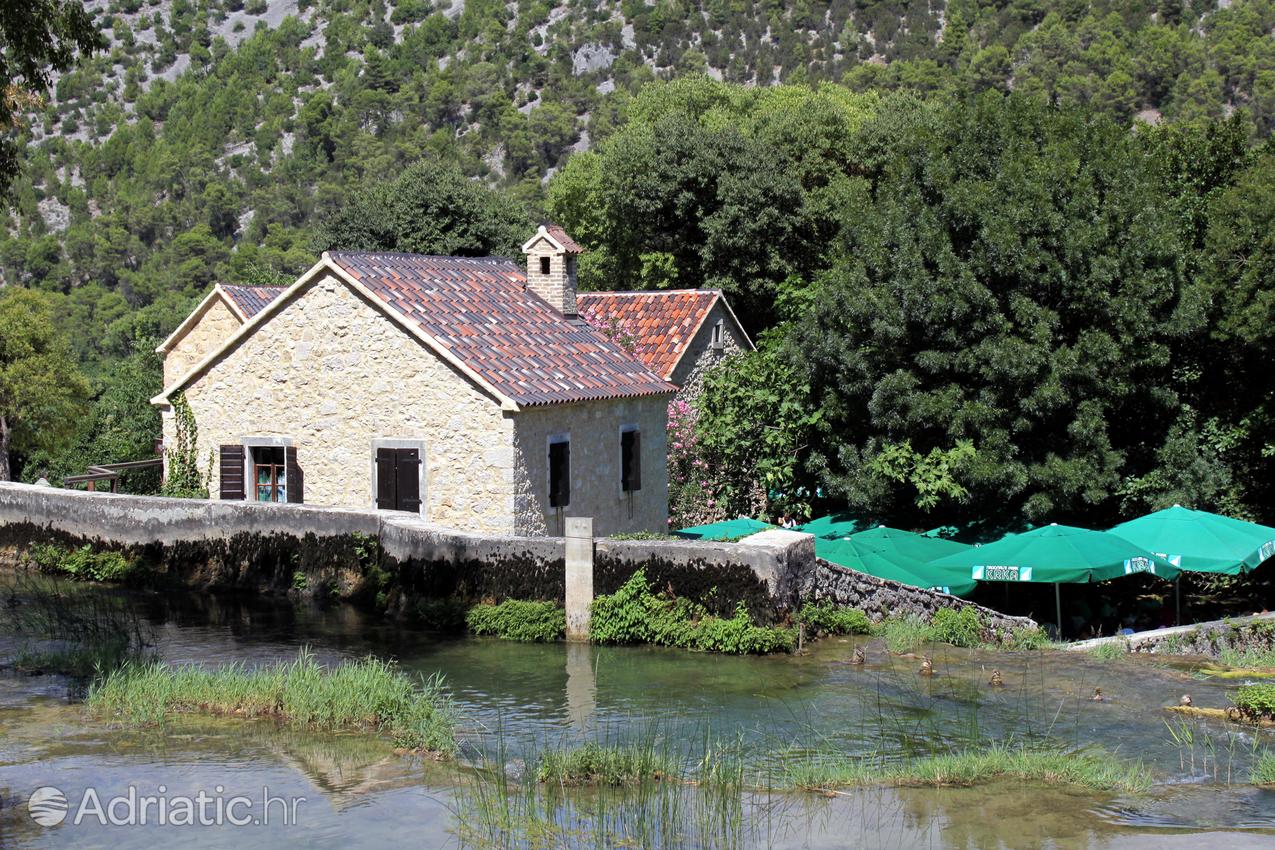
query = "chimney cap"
{"x": 556, "y": 237}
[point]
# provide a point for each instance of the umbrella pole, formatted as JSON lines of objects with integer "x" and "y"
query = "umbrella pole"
{"x": 1058, "y": 609}
{"x": 1177, "y": 600}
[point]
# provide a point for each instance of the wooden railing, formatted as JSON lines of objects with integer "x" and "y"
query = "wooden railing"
{"x": 109, "y": 472}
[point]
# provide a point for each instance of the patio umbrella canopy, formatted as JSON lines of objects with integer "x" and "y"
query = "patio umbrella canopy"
{"x": 888, "y": 555}
{"x": 1200, "y": 541}
{"x": 833, "y": 526}
{"x": 1058, "y": 554}
{"x": 729, "y": 529}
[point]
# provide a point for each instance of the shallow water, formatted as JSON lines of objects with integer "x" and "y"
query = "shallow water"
{"x": 522, "y": 697}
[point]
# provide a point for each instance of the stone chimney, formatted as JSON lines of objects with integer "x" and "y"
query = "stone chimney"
{"x": 551, "y": 267}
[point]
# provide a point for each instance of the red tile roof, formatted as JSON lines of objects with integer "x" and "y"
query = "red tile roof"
{"x": 662, "y": 323}
{"x": 480, "y": 310}
{"x": 560, "y": 236}
{"x": 251, "y": 300}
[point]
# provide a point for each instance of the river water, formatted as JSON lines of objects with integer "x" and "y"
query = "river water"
{"x": 517, "y": 699}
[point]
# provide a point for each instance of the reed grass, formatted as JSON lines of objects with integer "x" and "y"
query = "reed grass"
{"x": 1111, "y": 651}
{"x": 1090, "y": 769}
{"x": 1263, "y": 772}
{"x": 602, "y": 764}
{"x": 367, "y": 695}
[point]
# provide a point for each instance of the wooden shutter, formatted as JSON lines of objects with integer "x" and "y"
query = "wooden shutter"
{"x": 559, "y": 475}
{"x": 294, "y": 476}
{"x": 631, "y": 461}
{"x": 386, "y": 483}
{"x": 232, "y": 458}
{"x": 408, "y": 481}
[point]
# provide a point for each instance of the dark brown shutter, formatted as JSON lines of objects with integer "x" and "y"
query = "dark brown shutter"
{"x": 559, "y": 475}
{"x": 295, "y": 477}
{"x": 631, "y": 449}
{"x": 409, "y": 480}
{"x": 232, "y": 472}
{"x": 385, "y": 479}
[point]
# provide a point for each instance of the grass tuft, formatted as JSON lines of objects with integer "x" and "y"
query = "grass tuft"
{"x": 600, "y": 764}
{"x": 1263, "y": 772}
{"x": 1097, "y": 771}
{"x": 368, "y": 695}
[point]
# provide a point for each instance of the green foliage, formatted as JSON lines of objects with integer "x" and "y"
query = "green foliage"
{"x": 934, "y": 475}
{"x": 431, "y": 208}
{"x": 299, "y": 581}
{"x": 517, "y": 620}
{"x": 598, "y": 764}
{"x": 1263, "y": 772}
{"x": 83, "y": 563}
{"x": 832, "y": 619}
{"x": 368, "y": 695}
{"x": 958, "y": 627}
{"x": 1255, "y": 701}
{"x": 42, "y": 392}
{"x": 903, "y": 634}
{"x": 1111, "y": 651}
{"x": 1027, "y": 638}
{"x": 185, "y": 480}
{"x": 633, "y": 614}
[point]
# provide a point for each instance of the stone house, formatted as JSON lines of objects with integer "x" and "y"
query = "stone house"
{"x": 679, "y": 333}
{"x": 467, "y": 390}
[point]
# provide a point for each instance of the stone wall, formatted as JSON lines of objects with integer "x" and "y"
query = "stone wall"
{"x": 1241, "y": 634}
{"x": 215, "y": 326}
{"x": 332, "y": 374}
{"x": 880, "y": 598}
{"x": 594, "y": 430}
{"x": 261, "y": 547}
{"x": 701, "y": 356}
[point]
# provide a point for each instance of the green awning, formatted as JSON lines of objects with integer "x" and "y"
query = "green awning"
{"x": 834, "y": 526}
{"x": 730, "y": 529}
{"x": 1200, "y": 541}
{"x": 1058, "y": 554}
{"x": 889, "y": 554}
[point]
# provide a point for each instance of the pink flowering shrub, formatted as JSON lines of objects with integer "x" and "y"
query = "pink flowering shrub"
{"x": 693, "y": 497}
{"x": 618, "y": 329}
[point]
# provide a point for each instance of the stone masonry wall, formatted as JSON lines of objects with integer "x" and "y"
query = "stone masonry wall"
{"x": 594, "y": 429}
{"x": 700, "y": 355}
{"x": 333, "y": 373}
{"x": 216, "y": 326}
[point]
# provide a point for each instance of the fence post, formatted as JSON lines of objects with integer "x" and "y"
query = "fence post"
{"x": 579, "y": 577}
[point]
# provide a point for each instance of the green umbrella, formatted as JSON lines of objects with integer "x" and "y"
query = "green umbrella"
{"x": 833, "y": 526}
{"x": 879, "y": 558}
{"x": 731, "y": 529}
{"x": 1199, "y": 541}
{"x": 1056, "y": 554}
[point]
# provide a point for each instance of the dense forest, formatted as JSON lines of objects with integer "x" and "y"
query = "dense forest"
{"x": 1004, "y": 258}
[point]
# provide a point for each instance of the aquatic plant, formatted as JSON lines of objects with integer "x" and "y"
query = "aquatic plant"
{"x": 1248, "y": 658}
{"x": 69, "y": 628}
{"x": 1026, "y": 637}
{"x": 601, "y": 764}
{"x": 903, "y": 634}
{"x": 518, "y": 620}
{"x": 81, "y": 563}
{"x": 1256, "y": 701}
{"x": 369, "y": 695}
{"x": 1263, "y": 771}
{"x": 1092, "y": 769}
{"x": 1110, "y": 651}
{"x": 963, "y": 627}
{"x": 633, "y": 614}
{"x": 827, "y": 617}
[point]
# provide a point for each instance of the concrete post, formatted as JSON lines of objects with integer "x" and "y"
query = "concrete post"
{"x": 579, "y": 579}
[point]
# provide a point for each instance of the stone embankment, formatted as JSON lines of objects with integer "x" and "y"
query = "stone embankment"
{"x": 349, "y": 554}
{"x": 1256, "y": 632}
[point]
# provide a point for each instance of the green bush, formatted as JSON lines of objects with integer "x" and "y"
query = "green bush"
{"x": 1256, "y": 700}
{"x": 633, "y": 614}
{"x": 517, "y": 620}
{"x": 963, "y": 627}
{"x": 82, "y": 563}
{"x": 1026, "y": 637}
{"x": 832, "y": 619}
